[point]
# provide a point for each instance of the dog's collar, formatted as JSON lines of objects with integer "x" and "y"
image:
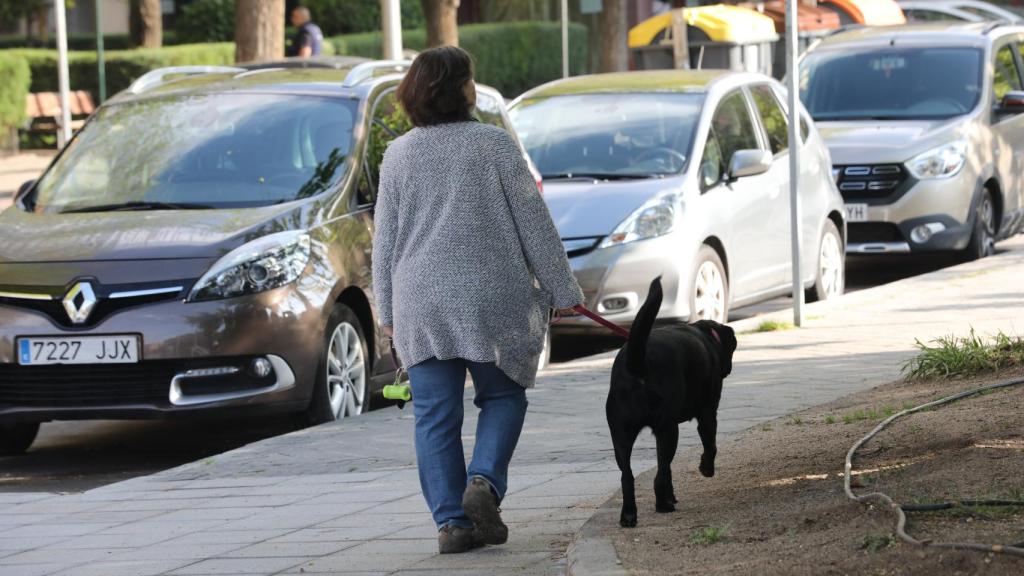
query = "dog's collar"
{"x": 714, "y": 334}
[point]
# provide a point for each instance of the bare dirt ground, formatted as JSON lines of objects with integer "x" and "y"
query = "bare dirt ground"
{"x": 777, "y": 506}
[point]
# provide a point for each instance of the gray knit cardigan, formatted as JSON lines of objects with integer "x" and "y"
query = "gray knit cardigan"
{"x": 466, "y": 259}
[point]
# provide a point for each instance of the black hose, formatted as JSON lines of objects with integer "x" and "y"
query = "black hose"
{"x": 901, "y": 517}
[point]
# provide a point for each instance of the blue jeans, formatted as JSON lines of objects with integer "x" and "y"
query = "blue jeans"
{"x": 438, "y": 387}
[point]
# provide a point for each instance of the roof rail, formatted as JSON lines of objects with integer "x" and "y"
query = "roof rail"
{"x": 367, "y": 70}
{"x": 326, "y": 62}
{"x": 996, "y": 24}
{"x": 156, "y": 77}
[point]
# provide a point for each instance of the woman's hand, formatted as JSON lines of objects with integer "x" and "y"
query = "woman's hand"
{"x": 389, "y": 331}
{"x": 566, "y": 312}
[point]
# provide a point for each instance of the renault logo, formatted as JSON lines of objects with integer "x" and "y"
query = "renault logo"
{"x": 79, "y": 302}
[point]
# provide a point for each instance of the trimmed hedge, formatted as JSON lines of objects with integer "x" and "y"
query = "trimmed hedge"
{"x": 13, "y": 89}
{"x": 81, "y": 41}
{"x": 512, "y": 56}
{"x": 122, "y": 66}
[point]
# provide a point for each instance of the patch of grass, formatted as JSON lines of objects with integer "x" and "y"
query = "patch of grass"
{"x": 766, "y": 427}
{"x": 830, "y": 419}
{"x": 772, "y": 326}
{"x": 874, "y": 542}
{"x": 962, "y": 356}
{"x": 795, "y": 421}
{"x": 981, "y": 512}
{"x": 709, "y": 535}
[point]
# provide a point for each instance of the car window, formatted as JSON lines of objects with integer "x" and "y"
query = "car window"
{"x": 919, "y": 15}
{"x": 488, "y": 110}
{"x": 772, "y": 116}
{"x": 214, "y": 150}
{"x": 389, "y": 122}
{"x": 1006, "y": 78}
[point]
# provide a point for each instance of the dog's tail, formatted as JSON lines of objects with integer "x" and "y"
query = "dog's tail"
{"x": 636, "y": 349}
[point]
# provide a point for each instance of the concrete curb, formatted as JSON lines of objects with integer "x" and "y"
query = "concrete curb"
{"x": 591, "y": 552}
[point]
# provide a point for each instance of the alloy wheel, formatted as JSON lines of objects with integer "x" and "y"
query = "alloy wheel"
{"x": 831, "y": 266}
{"x": 346, "y": 372}
{"x": 987, "y": 219}
{"x": 709, "y": 293}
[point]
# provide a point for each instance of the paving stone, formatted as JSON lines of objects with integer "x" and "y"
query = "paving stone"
{"x": 290, "y": 549}
{"x": 232, "y": 566}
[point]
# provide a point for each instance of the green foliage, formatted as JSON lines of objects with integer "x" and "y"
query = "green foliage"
{"x": 354, "y": 16}
{"x": 207, "y": 21}
{"x": 13, "y": 89}
{"x": 877, "y": 542}
{"x": 772, "y": 326}
{"x": 123, "y": 66}
{"x": 510, "y": 56}
{"x": 709, "y": 535}
{"x": 955, "y": 357}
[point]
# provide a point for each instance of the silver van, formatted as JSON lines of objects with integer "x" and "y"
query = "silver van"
{"x": 926, "y": 134}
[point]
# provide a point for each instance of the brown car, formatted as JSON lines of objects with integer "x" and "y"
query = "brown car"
{"x": 202, "y": 247}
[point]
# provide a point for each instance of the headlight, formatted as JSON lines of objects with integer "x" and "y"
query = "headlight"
{"x": 942, "y": 162}
{"x": 263, "y": 264}
{"x": 655, "y": 218}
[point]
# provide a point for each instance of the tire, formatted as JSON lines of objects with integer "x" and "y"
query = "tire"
{"x": 545, "y": 354}
{"x": 830, "y": 276}
{"x": 16, "y": 438}
{"x": 336, "y": 391}
{"x": 983, "y": 235}
{"x": 709, "y": 288}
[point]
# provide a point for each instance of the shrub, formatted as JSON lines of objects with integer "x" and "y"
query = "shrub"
{"x": 13, "y": 89}
{"x": 81, "y": 41}
{"x": 352, "y": 16}
{"x": 207, "y": 21}
{"x": 122, "y": 66}
{"x": 512, "y": 56}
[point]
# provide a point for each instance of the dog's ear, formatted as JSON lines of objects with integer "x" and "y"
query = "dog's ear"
{"x": 729, "y": 344}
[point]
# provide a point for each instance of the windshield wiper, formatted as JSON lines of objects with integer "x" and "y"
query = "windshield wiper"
{"x": 594, "y": 176}
{"x": 138, "y": 206}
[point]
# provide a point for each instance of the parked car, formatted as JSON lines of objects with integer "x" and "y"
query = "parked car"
{"x": 965, "y": 10}
{"x": 203, "y": 247}
{"x": 925, "y": 130}
{"x": 682, "y": 174}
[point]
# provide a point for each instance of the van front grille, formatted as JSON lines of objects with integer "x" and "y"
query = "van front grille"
{"x": 873, "y": 184}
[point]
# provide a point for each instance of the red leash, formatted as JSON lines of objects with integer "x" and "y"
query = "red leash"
{"x": 597, "y": 318}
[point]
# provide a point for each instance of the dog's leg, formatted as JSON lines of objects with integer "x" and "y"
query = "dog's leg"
{"x": 664, "y": 494}
{"x": 707, "y": 427}
{"x": 623, "y": 438}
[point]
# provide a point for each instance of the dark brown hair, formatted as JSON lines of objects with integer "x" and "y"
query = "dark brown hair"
{"x": 433, "y": 91}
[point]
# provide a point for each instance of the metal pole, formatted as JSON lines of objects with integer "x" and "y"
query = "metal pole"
{"x": 391, "y": 26}
{"x": 792, "y": 52}
{"x": 64, "y": 132}
{"x": 565, "y": 38}
{"x": 100, "y": 62}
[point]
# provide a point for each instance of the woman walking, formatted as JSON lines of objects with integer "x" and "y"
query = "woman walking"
{"x": 463, "y": 240}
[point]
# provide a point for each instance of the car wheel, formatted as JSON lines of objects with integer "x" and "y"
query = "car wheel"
{"x": 342, "y": 387}
{"x": 830, "y": 277}
{"x": 983, "y": 236}
{"x": 545, "y": 354}
{"x": 16, "y": 438}
{"x": 709, "y": 296}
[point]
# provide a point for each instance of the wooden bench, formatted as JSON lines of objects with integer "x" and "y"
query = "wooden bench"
{"x": 43, "y": 110}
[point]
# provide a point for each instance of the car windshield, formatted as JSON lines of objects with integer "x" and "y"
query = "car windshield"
{"x": 201, "y": 151}
{"x": 891, "y": 83}
{"x": 608, "y": 135}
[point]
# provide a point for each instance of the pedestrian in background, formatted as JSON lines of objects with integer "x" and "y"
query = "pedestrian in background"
{"x": 463, "y": 240}
{"x": 308, "y": 40}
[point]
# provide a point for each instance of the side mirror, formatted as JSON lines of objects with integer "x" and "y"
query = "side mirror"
{"x": 749, "y": 163}
{"x": 1012, "y": 103}
{"x": 24, "y": 189}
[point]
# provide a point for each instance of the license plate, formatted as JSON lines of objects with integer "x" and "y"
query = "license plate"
{"x": 856, "y": 212}
{"x": 78, "y": 350}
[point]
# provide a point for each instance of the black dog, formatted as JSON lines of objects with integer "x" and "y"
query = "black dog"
{"x": 664, "y": 376}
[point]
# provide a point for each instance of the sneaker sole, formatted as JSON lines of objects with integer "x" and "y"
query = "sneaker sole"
{"x": 480, "y": 508}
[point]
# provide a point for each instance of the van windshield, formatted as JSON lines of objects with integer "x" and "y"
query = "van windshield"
{"x": 608, "y": 135}
{"x": 201, "y": 151}
{"x": 891, "y": 84}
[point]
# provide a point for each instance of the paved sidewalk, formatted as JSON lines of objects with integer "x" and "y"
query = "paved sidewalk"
{"x": 16, "y": 169}
{"x": 343, "y": 498}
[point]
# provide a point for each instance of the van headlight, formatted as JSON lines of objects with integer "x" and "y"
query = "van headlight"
{"x": 263, "y": 264}
{"x": 655, "y": 218}
{"x": 943, "y": 161}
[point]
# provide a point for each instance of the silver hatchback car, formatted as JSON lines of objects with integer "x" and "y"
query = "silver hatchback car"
{"x": 683, "y": 174}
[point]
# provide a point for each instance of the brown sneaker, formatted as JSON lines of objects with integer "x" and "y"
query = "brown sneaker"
{"x": 481, "y": 505}
{"x": 456, "y": 539}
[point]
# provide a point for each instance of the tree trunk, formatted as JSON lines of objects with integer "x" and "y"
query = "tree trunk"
{"x": 442, "y": 22}
{"x": 614, "y": 31}
{"x": 146, "y": 24}
{"x": 259, "y": 30}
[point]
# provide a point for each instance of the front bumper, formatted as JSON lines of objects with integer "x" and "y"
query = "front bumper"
{"x": 615, "y": 282}
{"x": 196, "y": 358}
